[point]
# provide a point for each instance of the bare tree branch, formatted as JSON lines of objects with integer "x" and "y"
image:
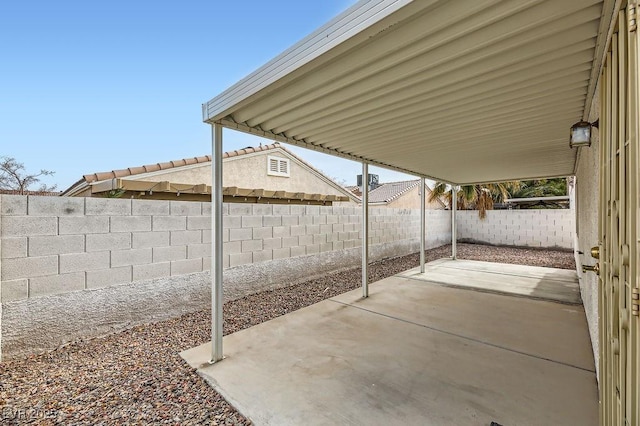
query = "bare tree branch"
{"x": 13, "y": 176}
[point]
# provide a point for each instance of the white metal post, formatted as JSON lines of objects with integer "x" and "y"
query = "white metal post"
{"x": 422, "y": 224}
{"x": 454, "y": 236}
{"x": 216, "y": 243}
{"x": 365, "y": 229}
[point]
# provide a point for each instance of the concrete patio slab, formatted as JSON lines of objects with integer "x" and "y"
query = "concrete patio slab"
{"x": 560, "y": 285}
{"x": 411, "y": 353}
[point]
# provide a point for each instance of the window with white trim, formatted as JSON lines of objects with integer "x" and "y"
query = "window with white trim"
{"x": 278, "y": 166}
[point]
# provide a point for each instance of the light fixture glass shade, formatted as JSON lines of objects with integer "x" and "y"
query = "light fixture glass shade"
{"x": 580, "y": 134}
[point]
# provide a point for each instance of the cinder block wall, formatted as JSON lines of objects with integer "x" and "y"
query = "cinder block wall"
{"x": 527, "y": 228}
{"x": 79, "y": 267}
{"x": 75, "y": 267}
{"x": 56, "y": 245}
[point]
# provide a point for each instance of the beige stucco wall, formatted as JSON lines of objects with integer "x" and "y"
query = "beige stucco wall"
{"x": 84, "y": 193}
{"x": 253, "y": 168}
{"x": 200, "y": 173}
{"x": 587, "y": 194}
{"x": 250, "y": 171}
{"x": 411, "y": 200}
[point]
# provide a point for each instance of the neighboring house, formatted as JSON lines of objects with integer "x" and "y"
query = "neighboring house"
{"x": 263, "y": 174}
{"x": 400, "y": 195}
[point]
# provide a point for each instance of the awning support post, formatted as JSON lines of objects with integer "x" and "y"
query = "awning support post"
{"x": 216, "y": 243}
{"x": 422, "y": 224}
{"x": 454, "y": 236}
{"x": 365, "y": 229}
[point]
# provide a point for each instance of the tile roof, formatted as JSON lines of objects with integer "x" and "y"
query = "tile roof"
{"x": 354, "y": 189}
{"x": 387, "y": 192}
{"x": 95, "y": 177}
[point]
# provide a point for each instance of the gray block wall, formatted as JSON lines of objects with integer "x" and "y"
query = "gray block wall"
{"x": 80, "y": 267}
{"x": 526, "y": 228}
{"x": 53, "y": 245}
{"x": 64, "y": 258}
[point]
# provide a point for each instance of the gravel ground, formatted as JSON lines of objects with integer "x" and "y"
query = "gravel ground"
{"x": 137, "y": 377}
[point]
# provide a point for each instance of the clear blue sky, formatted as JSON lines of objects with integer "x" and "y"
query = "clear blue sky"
{"x": 92, "y": 86}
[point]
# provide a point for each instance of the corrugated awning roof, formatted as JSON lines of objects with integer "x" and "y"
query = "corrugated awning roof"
{"x": 460, "y": 91}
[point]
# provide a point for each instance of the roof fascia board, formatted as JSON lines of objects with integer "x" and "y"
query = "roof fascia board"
{"x": 610, "y": 9}
{"x": 357, "y": 18}
{"x": 78, "y": 187}
{"x": 230, "y": 124}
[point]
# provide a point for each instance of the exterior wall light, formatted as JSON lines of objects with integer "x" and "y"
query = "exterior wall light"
{"x": 581, "y": 134}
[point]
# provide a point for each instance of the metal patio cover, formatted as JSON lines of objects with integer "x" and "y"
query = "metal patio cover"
{"x": 460, "y": 91}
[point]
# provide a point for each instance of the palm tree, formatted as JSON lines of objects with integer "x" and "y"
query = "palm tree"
{"x": 475, "y": 197}
{"x": 541, "y": 188}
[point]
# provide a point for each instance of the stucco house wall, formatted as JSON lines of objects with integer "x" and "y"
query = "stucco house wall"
{"x": 250, "y": 171}
{"x": 197, "y": 173}
{"x": 253, "y": 168}
{"x": 587, "y": 195}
